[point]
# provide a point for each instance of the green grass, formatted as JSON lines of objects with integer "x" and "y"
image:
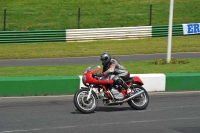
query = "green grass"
{"x": 95, "y": 48}
{"x": 62, "y": 14}
{"x": 136, "y": 67}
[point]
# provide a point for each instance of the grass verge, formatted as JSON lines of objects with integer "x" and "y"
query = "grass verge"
{"x": 95, "y": 48}
{"x": 137, "y": 67}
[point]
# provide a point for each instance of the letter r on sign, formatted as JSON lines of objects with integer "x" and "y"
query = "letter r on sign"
{"x": 196, "y": 28}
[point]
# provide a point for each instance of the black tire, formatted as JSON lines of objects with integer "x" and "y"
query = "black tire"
{"x": 81, "y": 104}
{"x": 141, "y": 102}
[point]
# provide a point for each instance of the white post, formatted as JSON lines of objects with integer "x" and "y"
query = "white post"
{"x": 170, "y": 31}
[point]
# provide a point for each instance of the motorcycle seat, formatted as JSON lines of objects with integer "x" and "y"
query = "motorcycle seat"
{"x": 129, "y": 80}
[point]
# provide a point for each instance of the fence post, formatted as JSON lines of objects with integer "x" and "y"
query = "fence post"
{"x": 4, "y": 20}
{"x": 79, "y": 10}
{"x": 150, "y": 22}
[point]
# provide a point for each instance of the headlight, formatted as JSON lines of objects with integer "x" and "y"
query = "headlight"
{"x": 84, "y": 79}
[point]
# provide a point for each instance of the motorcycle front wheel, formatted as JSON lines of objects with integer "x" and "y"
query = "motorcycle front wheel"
{"x": 81, "y": 102}
{"x": 140, "y": 102}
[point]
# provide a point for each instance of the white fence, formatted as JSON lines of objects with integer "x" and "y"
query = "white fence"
{"x": 108, "y": 33}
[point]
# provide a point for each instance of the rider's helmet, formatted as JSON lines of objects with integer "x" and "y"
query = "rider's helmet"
{"x": 105, "y": 58}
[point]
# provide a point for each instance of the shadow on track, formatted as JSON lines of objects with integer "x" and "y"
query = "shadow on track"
{"x": 111, "y": 109}
{"x": 106, "y": 109}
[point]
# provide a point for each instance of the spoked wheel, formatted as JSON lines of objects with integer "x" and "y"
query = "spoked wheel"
{"x": 81, "y": 102}
{"x": 140, "y": 102}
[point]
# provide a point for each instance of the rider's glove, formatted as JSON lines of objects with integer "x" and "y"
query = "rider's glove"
{"x": 102, "y": 74}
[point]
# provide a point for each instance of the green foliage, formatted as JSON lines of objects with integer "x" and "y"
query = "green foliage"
{"x": 172, "y": 61}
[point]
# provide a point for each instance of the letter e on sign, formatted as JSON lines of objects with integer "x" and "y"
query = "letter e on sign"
{"x": 190, "y": 28}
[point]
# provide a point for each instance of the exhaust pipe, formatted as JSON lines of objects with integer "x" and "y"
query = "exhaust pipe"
{"x": 115, "y": 103}
{"x": 125, "y": 100}
{"x": 134, "y": 95}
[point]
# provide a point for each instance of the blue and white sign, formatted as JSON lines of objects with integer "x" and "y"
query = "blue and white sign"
{"x": 191, "y": 28}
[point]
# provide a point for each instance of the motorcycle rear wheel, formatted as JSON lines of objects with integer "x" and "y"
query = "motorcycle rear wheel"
{"x": 140, "y": 102}
{"x": 81, "y": 103}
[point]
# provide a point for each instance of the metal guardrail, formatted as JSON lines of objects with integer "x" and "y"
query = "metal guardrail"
{"x": 162, "y": 30}
{"x": 88, "y": 34}
{"x": 32, "y": 36}
{"x": 108, "y": 33}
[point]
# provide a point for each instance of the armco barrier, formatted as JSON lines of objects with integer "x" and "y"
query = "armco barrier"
{"x": 75, "y": 34}
{"x": 162, "y": 30}
{"x": 60, "y": 85}
{"x": 32, "y": 36}
{"x": 89, "y": 34}
{"x": 108, "y": 33}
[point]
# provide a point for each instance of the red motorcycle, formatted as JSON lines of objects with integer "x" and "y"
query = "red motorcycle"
{"x": 86, "y": 98}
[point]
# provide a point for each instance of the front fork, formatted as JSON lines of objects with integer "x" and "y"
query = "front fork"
{"x": 90, "y": 92}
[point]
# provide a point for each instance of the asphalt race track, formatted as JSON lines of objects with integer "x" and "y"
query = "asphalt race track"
{"x": 94, "y": 59}
{"x": 168, "y": 112}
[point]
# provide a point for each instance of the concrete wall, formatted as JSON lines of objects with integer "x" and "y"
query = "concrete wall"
{"x": 33, "y": 86}
{"x": 62, "y": 85}
{"x": 182, "y": 82}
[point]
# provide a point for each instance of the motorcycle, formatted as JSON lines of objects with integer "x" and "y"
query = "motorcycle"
{"x": 97, "y": 87}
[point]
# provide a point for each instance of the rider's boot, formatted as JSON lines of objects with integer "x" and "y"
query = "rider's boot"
{"x": 125, "y": 86}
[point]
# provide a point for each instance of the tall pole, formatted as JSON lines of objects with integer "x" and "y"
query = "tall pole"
{"x": 170, "y": 31}
{"x": 150, "y": 22}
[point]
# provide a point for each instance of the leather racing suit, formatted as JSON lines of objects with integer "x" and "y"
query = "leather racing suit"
{"x": 118, "y": 70}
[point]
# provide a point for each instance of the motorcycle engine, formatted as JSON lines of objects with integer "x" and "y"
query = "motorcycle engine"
{"x": 117, "y": 94}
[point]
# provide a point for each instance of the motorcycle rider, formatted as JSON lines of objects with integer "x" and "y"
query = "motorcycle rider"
{"x": 111, "y": 65}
